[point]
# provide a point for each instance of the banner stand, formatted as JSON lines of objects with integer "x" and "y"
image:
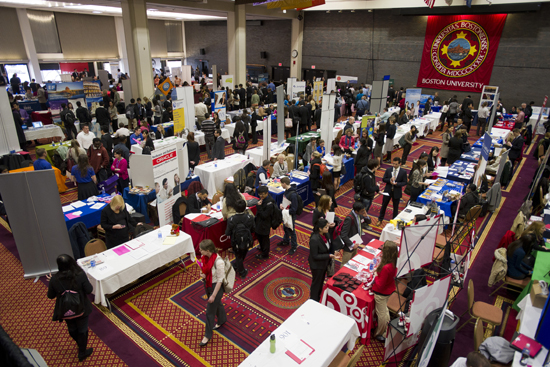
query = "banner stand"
{"x": 280, "y": 115}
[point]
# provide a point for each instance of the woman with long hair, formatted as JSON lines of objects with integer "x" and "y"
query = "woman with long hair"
{"x": 455, "y": 148}
{"x": 324, "y": 206}
{"x": 117, "y": 222}
{"x": 327, "y": 183}
{"x": 71, "y": 278}
{"x": 240, "y": 132}
{"x": 321, "y": 252}
{"x": 230, "y": 197}
{"x": 147, "y": 141}
{"x": 409, "y": 139}
{"x": 157, "y": 112}
{"x": 446, "y": 137}
{"x": 83, "y": 174}
{"x": 416, "y": 178}
{"x": 379, "y": 138}
{"x": 193, "y": 151}
{"x": 315, "y": 175}
{"x": 337, "y": 166}
{"x": 384, "y": 286}
{"x": 120, "y": 168}
{"x": 212, "y": 274}
{"x": 433, "y": 159}
{"x": 516, "y": 254}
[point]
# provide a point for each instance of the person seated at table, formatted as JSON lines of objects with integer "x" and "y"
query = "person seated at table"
{"x": 193, "y": 151}
{"x": 99, "y": 159}
{"x": 136, "y": 137}
{"x": 347, "y": 142}
{"x": 516, "y": 254}
{"x": 144, "y": 126}
{"x": 122, "y": 131}
{"x": 230, "y": 197}
{"x": 354, "y": 224}
{"x": 41, "y": 163}
{"x": 198, "y": 203}
{"x": 280, "y": 168}
{"x": 455, "y": 148}
{"x": 120, "y": 168}
{"x": 83, "y": 174}
{"x": 433, "y": 159}
{"x": 416, "y": 179}
{"x": 469, "y": 200}
{"x": 117, "y": 222}
{"x": 321, "y": 148}
{"x": 384, "y": 286}
{"x": 315, "y": 174}
{"x": 262, "y": 175}
{"x": 325, "y": 206}
{"x": 321, "y": 253}
{"x": 218, "y": 152}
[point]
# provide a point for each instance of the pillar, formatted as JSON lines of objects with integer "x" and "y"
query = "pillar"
{"x": 296, "y": 40}
{"x": 136, "y": 35}
{"x": 28, "y": 40}
{"x": 236, "y": 44}
{"x": 121, "y": 43}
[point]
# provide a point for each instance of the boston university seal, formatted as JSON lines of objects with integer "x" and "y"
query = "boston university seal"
{"x": 459, "y": 49}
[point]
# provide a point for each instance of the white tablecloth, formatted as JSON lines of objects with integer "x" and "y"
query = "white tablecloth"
{"x": 231, "y": 128}
{"x": 323, "y": 329}
{"x": 212, "y": 177}
{"x": 389, "y": 234}
{"x": 124, "y": 269}
{"x": 136, "y": 148}
{"x": 422, "y": 124}
{"x": 256, "y": 154}
{"x": 497, "y": 133}
{"x": 199, "y": 136}
{"x": 47, "y": 131}
{"x": 433, "y": 117}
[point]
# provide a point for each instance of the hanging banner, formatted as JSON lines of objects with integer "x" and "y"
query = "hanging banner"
{"x": 179, "y": 116}
{"x": 344, "y": 79}
{"x": 166, "y": 86}
{"x": 459, "y": 51}
{"x": 166, "y": 174}
{"x": 218, "y": 104}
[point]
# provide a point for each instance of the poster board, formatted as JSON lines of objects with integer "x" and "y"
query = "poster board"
{"x": 331, "y": 85}
{"x": 167, "y": 181}
{"x": 489, "y": 94}
{"x": 266, "y": 151}
{"x": 327, "y": 118}
{"x": 219, "y": 105}
{"x": 432, "y": 341}
{"x": 179, "y": 116}
{"x": 412, "y": 95}
{"x": 417, "y": 245}
{"x": 227, "y": 82}
{"x": 427, "y": 299}
{"x": 186, "y": 74}
{"x": 317, "y": 91}
{"x": 186, "y": 95}
{"x": 298, "y": 90}
{"x": 280, "y": 116}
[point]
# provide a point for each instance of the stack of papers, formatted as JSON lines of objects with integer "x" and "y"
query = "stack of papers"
{"x": 78, "y": 204}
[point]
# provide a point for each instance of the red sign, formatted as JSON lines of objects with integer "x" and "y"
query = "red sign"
{"x": 164, "y": 158}
{"x": 313, "y": 66}
{"x": 459, "y": 51}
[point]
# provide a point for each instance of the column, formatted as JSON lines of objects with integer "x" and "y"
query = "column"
{"x": 236, "y": 44}
{"x": 184, "y": 60}
{"x": 121, "y": 43}
{"x": 136, "y": 35}
{"x": 296, "y": 40}
{"x": 28, "y": 40}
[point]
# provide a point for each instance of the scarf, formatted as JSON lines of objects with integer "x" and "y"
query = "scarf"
{"x": 206, "y": 268}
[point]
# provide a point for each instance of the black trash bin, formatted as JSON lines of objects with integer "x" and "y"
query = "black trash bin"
{"x": 444, "y": 346}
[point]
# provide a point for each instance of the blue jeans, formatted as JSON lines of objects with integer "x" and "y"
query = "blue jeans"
{"x": 290, "y": 234}
{"x": 367, "y": 203}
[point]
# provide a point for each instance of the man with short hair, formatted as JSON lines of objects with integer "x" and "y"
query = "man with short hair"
{"x": 515, "y": 147}
{"x": 15, "y": 84}
{"x": 123, "y": 148}
{"x": 68, "y": 119}
{"x": 99, "y": 159}
{"x": 75, "y": 75}
{"x": 362, "y": 106}
{"x": 474, "y": 359}
{"x": 369, "y": 186}
{"x": 304, "y": 117}
{"x": 242, "y": 96}
{"x": 528, "y": 110}
{"x": 102, "y": 115}
{"x": 107, "y": 140}
{"x": 200, "y": 112}
{"x": 34, "y": 86}
{"x": 136, "y": 137}
{"x": 271, "y": 85}
{"x": 82, "y": 114}
{"x": 467, "y": 101}
{"x": 132, "y": 113}
{"x": 290, "y": 234}
{"x": 262, "y": 173}
{"x": 85, "y": 138}
{"x": 165, "y": 192}
{"x": 354, "y": 224}
{"x": 255, "y": 99}
{"x": 385, "y": 115}
{"x": 41, "y": 163}
{"x": 240, "y": 228}
{"x": 208, "y": 127}
{"x": 218, "y": 152}
{"x": 198, "y": 203}
{"x": 520, "y": 118}
{"x": 395, "y": 178}
{"x": 264, "y": 216}
{"x": 42, "y": 99}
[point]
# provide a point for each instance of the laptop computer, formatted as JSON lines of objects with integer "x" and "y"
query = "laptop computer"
{"x": 37, "y": 124}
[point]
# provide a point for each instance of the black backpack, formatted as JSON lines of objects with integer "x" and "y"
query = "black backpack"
{"x": 300, "y": 209}
{"x": 277, "y": 217}
{"x": 358, "y": 183}
{"x": 69, "y": 118}
{"x": 241, "y": 237}
{"x": 70, "y": 304}
{"x": 130, "y": 112}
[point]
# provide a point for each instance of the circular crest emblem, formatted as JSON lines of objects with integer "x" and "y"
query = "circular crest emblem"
{"x": 287, "y": 293}
{"x": 459, "y": 49}
{"x": 166, "y": 87}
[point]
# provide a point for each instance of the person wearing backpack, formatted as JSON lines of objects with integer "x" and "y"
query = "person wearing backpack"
{"x": 212, "y": 274}
{"x": 293, "y": 209}
{"x": 208, "y": 127}
{"x": 268, "y": 215}
{"x": 365, "y": 183}
{"x": 218, "y": 152}
{"x": 353, "y": 224}
{"x": 240, "y": 136}
{"x": 70, "y": 287}
{"x": 240, "y": 227}
{"x": 132, "y": 113}
{"x": 68, "y": 118}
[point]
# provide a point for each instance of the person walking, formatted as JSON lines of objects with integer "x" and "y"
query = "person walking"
{"x": 290, "y": 233}
{"x": 321, "y": 253}
{"x": 240, "y": 228}
{"x": 394, "y": 178}
{"x": 409, "y": 140}
{"x": 266, "y": 209}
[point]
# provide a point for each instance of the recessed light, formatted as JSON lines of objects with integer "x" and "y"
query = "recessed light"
{"x": 97, "y": 12}
{"x": 284, "y": 11}
{"x": 153, "y": 9}
{"x": 370, "y": 10}
{"x": 179, "y": 18}
{"x": 353, "y": 11}
{"x": 339, "y": 11}
{"x": 328, "y": 11}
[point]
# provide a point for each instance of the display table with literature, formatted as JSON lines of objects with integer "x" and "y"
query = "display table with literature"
{"x": 86, "y": 212}
{"x": 121, "y": 265}
{"x": 391, "y": 233}
{"x": 359, "y": 303}
{"x": 213, "y": 174}
{"x": 52, "y": 148}
{"x": 311, "y": 337}
{"x": 303, "y": 187}
{"x": 47, "y": 131}
{"x": 437, "y": 190}
{"x": 257, "y": 153}
{"x": 528, "y": 321}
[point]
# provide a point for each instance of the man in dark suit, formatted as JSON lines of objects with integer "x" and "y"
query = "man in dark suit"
{"x": 395, "y": 178}
{"x": 516, "y": 146}
{"x": 82, "y": 114}
{"x": 242, "y": 96}
{"x": 467, "y": 101}
{"x": 249, "y": 92}
{"x": 294, "y": 114}
{"x": 195, "y": 203}
{"x": 304, "y": 117}
{"x": 107, "y": 140}
{"x": 265, "y": 211}
{"x": 4, "y": 80}
{"x": 354, "y": 223}
{"x": 102, "y": 115}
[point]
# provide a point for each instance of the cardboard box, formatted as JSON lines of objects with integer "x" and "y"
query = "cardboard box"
{"x": 537, "y": 298}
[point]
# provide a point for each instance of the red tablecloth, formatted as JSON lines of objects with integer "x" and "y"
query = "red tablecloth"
{"x": 216, "y": 233}
{"x": 44, "y": 116}
{"x": 359, "y": 305}
{"x": 508, "y": 125}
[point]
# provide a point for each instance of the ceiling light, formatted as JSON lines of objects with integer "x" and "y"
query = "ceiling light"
{"x": 339, "y": 11}
{"x": 97, "y": 12}
{"x": 153, "y": 9}
{"x": 328, "y": 11}
{"x": 353, "y": 11}
{"x": 370, "y": 10}
{"x": 284, "y": 11}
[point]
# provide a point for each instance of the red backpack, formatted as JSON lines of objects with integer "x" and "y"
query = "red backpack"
{"x": 322, "y": 168}
{"x": 338, "y": 229}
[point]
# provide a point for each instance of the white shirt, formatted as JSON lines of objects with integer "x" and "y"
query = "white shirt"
{"x": 122, "y": 131}
{"x": 85, "y": 140}
{"x": 200, "y": 109}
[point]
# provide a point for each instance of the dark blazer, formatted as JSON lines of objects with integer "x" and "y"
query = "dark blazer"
{"x": 467, "y": 116}
{"x": 194, "y": 205}
{"x": 395, "y": 191}
{"x": 431, "y": 164}
{"x": 455, "y": 149}
{"x": 404, "y": 119}
{"x": 315, "y": 174}
{"x": 264, "y": 214}
{"x": 115, "y": 237}
{"x": 107, "y": 142}
{"x": 102, "y": 116}
{"x": 319, "y": 254}
{"x": 391, "y": 130}
{"x": 81, "y": 285}
{"x": 467, "y": 202}
{"x": 219, "y": 148}
{"x": 83, "y": 115}
{"x": 193, "y": 152}
{"x": 349, "y": 229}
{"x": 516, "y": 148}
{"x": 318, "y": 215}
{"x": 304, "y": 115}
{"x": 362, "y": 157}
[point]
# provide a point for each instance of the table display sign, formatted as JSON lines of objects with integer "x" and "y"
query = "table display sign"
{"x": 179, "y": 116}
{"x": 218, "y": 104}
{"x": 167, "y": 181}
{"x": 459, "y": 51}
{"x": 412, "y": 96}
{"x": 298, "y": 90}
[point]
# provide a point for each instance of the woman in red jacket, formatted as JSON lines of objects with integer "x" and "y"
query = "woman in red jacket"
{"x": 384, "y": 286}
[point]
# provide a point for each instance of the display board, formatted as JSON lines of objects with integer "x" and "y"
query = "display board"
{"x": 331, "y": 85}
{"x": 432, "y": 340}
{"x": 298, "y": 90}
{"x": 417, "y": 245}
{"x": 167, "y": 181}
{"x": 266, "y": 152}
{"x": 280, "y": 115}
{"x": 427, "y": 299}
{"x": 219, "y": 104}
{"x": 227, "y": 82}
{"x": 327, "y": 118}
{"x": 289, "y": 83}
{"x": 345, "y": 79}
{"x": 186, "y": 74}
{"x": 413, "y": 95}
{"x": 186, "y": 95}
{"x": 317, "y": 91}
{"x": 488, "y": 95}
{"x": 179, "y": 116}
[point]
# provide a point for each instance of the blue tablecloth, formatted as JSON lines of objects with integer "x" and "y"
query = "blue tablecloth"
{"x": 90, "y": 217}
{"x": 303, "y": 187}
{"x": 473, "y": 155}
{"x": 350, "y": 170}
{"x": 30, "y": 106}
{"x": 457, "y": 169}
{"x": 139, "y": 201}
{"x": 444, "y": 205}
{"x": 479, "y": 143}
{"x": 436, "y": 108}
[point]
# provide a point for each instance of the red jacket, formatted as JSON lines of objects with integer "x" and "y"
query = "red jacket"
{"x": 384, "y": 283}
{"x": 98, "y": 157}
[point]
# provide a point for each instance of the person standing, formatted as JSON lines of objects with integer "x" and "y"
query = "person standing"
{"x": 42, "y": 99}
{"x": 113, "y": 115}
{"x": 193, "y": 151}
{"x": 452, "y": 111}
{"x": 255, "y": 100}
{"x": 68, "y": 119}
{"x": 353, "y": 225}
{"x": 212, "y": 274}
{"x": 83, "y": 115}
{"x": 240, "y": 228}
{"x": 41, "y": 163}
{"x": 467, "y": 117}
{"x": 515, "y": 147}
{"x": 409, "y": 140}
{"x": 321, "y": 253}
{"x": 362, "y": 157}
{"x": 218, "y": 152}
{"x": 482, "y": 116}
{"x": 19, "y": 126}
{"x": 102, "y": 116}
{"x": 208, "y": 127}
{"x": 520, "y": 118}
{"x": 384, "y": 286}
{"x": 266, "y": 210}
{"x": 107, "y": 141}
{"x": 369, "y": 186}
{"x": 391, "y": 130}
{"x": 117, "y": 222}
{"x": 417, "y": 179}
{"x": 99, "y": 159}
{"x": 395, "y": 178}
{"x": 15, "y": 84}
{"x": 71, "y": 278}
{"x": 290, "y": 233}
{"x": 455, "y": 147}
{"x": 83, "y": 174}
{"x": 120, "y": 168}
{"x": 85, "y": 138}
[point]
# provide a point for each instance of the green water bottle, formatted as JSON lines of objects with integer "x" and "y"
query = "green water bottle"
{"x": 272, "y": 343}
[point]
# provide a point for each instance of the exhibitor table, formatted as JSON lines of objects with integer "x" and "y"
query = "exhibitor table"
{"x": 323, "y": 332}
{"x": 128, "y": 262}
{"x": 303, "y": 140}
{"x": 359, "y": 304}
{"x": 390, "y": 233}
{"x": 461, "y": 171}
{"x": 47, "y": 131}
{"x": 256, "y": 154}
{"x": 199, "y": 136}
{"x": 51, "y": 149}
{"x": 214, "y": 173}
{"x": 437, "y": 191}
{"x": 89, "y": 215}
{"x": 303, "y": 188}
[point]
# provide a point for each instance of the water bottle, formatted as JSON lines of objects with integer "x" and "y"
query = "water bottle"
{"x": 92, "y": 263}
{"x": 160, "y": 235}
{"x": 272, "y": 347}
{"x": 371, "y": 267}
{"x": 103, "y": 190}
{"x": 215, "y": 164}
{"x": 525, "y": 354}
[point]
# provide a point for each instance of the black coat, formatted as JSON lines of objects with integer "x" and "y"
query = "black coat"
{"x": 81, "y": 284}
{"x": 363, "y": 155}
{"x": 193, "y": 152}
{"x": 319, "y": 254}
{"x": 219, "y": 148}
{"x": 395, "y": 191}
{"x": 107, "y": 142}
{"x": 115, "y": 237}
{"x": 102, "y": 116}
{"x": 244, "y": 218}
{"x": 455, "y": 149}
{"x": 516, "y": 148}
{"x": 315, "y": 173}
{"x": 350, "y": 229}
{"x": 264, "y": 215}
{"x": 194, "y": 205}
{"x": 391, "y": 130}
{"x": 467, "y": 202}
{"x": 370, "y": 188}
{"x": 304, "y": 115}
{"x": 83, "y": 115}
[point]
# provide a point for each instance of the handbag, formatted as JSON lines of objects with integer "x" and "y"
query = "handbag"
{"x": 102, "y": 175}
{"x": 330, "y": 268}
{"x": 402, "y": 141}
{"x": 466, "y": 147}
{"x": 288, "y": 123}
{"x": 206, "y": 223}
